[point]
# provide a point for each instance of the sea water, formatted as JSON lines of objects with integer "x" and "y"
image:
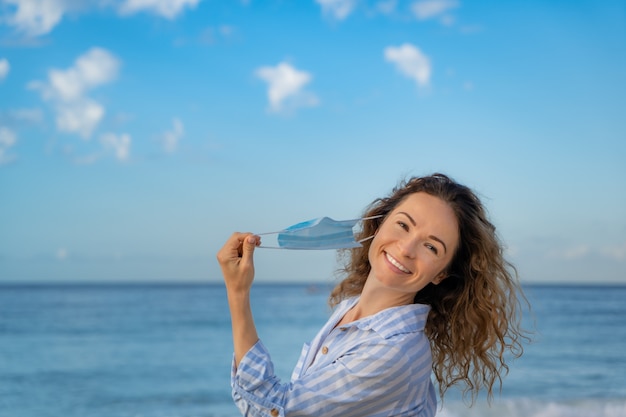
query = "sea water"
{"x": 166, "y": 350}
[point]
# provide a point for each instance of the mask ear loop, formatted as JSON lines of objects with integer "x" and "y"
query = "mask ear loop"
{"x": 365, "y": 239}
{"x": 270, "y": 233}
{"x": 372, "y": 217}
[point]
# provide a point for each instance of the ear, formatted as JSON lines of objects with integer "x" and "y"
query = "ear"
{"x": 439, "y": 278}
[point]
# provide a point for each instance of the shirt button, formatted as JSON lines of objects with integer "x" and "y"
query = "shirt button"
{"x": 274, "y": 412}
{"x": 343, "y": 329}
{"x": 325, "y": 350}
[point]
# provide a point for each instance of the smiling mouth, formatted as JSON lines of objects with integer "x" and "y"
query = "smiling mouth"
{"x": 397, "y": 264}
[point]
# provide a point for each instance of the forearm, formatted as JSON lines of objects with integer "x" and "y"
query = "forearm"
{"x": 242, "y": 322}
{"x": 237, "y": 265}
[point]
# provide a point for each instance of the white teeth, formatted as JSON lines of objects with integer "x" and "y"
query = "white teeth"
{"x": 397, "y": 264}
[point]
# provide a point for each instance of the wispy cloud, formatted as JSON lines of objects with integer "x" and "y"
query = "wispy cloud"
{"x": 430, "y": 9}
{"x": 171, "y": 138}
{"x": 616, "y": 252}
{"x": 570, "y": 253}
{"x": 8, "y": 138}
{"x": 337, "y": 9}
{"x": 119, "y": 144}
{"x": 285, "y": 87}
{"x": 61, "y": 254}
{"x": 210, "y": 35}
{"x": 411, "y": 62}
{"x": 168, "y": 9}
{"x": 66, "y": 89}
{"x": 22, "y": 117}
{"x": 4, "y": 68}
{"x": 386, "y": 6}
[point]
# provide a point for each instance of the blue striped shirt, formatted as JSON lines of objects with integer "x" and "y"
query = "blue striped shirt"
{"x": 376, "y": 366}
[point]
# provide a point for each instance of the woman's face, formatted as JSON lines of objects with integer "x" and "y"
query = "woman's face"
{"x": 414, "y": 244}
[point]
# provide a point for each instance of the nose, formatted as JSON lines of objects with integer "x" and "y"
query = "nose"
{"x": 408, "y": 247}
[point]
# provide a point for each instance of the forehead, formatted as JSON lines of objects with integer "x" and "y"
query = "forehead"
{"x": 432, "y": 212}
{"x": 422, "y": 200}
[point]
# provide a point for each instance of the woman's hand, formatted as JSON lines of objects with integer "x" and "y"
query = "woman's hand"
{"x": 236, "y": 260}
{"x": 237, "y": 265}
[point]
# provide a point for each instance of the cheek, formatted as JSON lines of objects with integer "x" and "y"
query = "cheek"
{"x": 372, "y": 249}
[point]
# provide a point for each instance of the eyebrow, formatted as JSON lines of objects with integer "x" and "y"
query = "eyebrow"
{"x": 433, "y": 237}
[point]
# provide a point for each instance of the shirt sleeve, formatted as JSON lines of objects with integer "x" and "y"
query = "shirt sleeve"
{"x": 372, "y": 378}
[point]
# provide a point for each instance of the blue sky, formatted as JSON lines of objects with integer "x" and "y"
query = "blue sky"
{"x": 136, "y": 135}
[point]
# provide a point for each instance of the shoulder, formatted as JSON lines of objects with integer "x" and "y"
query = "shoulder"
{"x": 396, "y": 321}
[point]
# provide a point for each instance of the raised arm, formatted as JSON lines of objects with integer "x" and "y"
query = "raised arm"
{"x": 236, "y": 260}
{"x": 374, "y": 379}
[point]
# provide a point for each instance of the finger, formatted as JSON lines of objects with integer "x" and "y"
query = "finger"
{"x": 232, "y": 249}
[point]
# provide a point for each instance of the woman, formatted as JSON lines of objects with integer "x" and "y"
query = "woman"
{"x": 430, "y": 291}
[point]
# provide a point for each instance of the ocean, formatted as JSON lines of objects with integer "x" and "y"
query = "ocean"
{"x": 141, "y": 350}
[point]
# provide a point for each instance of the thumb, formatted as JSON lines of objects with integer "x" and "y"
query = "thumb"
{"x": 248, "y": 247}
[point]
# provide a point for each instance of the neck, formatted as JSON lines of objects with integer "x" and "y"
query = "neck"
{"x": 375, "y": 298}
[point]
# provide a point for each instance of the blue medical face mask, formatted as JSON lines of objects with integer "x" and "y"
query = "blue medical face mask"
{"x": 321, "y": 233}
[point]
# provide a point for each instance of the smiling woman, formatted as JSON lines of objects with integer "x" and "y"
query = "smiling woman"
{"x": 474, "y": 298}
{"x": 430, "y": 292}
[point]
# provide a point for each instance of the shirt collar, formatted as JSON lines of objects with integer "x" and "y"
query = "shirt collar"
{"x": 391, "y": 321}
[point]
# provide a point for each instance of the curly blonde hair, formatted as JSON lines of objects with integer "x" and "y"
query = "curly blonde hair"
{"x": 475, "y": 312}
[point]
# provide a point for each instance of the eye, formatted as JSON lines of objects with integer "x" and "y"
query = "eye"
{"x": 403, "y": 225}
{"x": 432, "y": 248}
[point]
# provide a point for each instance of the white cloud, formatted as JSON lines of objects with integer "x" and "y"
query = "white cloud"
{"x": 338, "y": 9}
{"x": 8, "y": 138}
{"x": 285, "y": 87}
{"x": 428, "y": 9}
{"x": 94, "y": 68}
{"x": 119, "y": 144}
{"x": 171, "y": 138}
{"x": 66, "y": 89}
{"x": 411, "y": 62}
{"x": 165, "y": 8}
{"x": 4, "y": 68}
{"x": 39, "y": 17}
{"x": 80, "y": 116}
{"x": 35, "y": 17}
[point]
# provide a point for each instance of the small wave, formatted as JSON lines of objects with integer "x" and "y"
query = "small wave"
{"x": 537, "y": 408}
